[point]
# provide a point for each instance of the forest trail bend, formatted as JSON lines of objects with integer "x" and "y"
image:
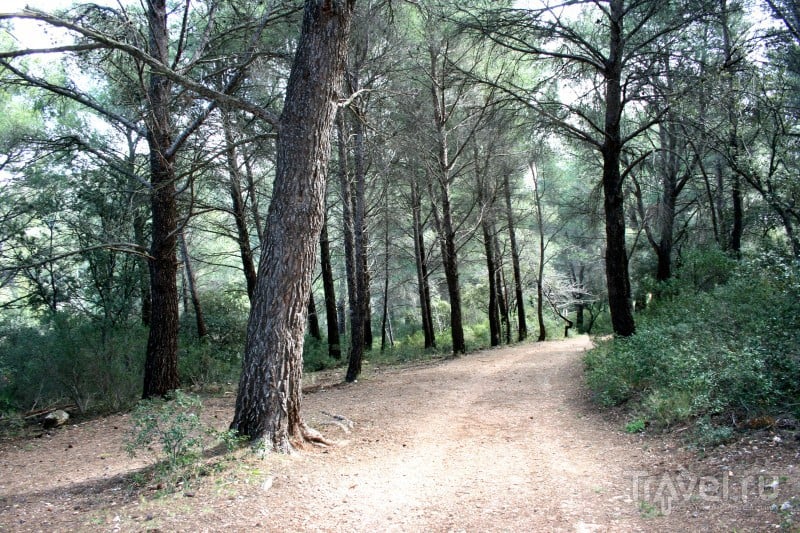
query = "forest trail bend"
{"x": 499, "y": 440}
{"x": 502, "y": 439}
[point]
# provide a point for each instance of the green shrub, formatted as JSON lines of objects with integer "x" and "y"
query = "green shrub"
{"x": 68, "y": 357}
{"x": 723, "y": 353}
{"x": 173, "y": 424}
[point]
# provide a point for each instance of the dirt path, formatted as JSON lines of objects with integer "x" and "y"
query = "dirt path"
{"x": 500, "y": 440}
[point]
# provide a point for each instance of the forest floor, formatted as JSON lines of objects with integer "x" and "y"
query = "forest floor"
{"x": 498, "y": 440}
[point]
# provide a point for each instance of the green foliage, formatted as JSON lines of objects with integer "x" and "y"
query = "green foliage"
{"x": 173, "y": 424}
{"x": 635, "y": 426}
{"x": 727, "y": 352}
{"x": 217, "y": 358}
{"x": 65, "y": 357}
{"x": 315, "y": 355}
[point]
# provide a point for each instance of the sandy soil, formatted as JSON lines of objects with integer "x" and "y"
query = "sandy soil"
{"x": 499, "y": 440}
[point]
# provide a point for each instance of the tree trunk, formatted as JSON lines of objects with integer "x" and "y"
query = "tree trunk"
{"x": 450, "y": 262}
{"x": 488, "y": 247}
{"x": 161, "y": 360}
{"x": 191, "y": 283}
{"x": 269, "y": 398}
{"x": 617, "y": 277}
{"x": 502, "y": 288}
{"x": 360, "y": 234}
{"x": 522, "y": 325}
{"x": 238, "y": 208}
{"x": 353, "y": 262}
{"x": 386, "y": 333}
{"x": 334, "y": 346}
{"x": 313, "y": 319}
{"x": 422, "y": 267}
{"x": 494, "y": 316}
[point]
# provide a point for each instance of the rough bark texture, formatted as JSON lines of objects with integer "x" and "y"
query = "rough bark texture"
{"x": 616, "y": 260}
{"x": 161, "y": 360}
{"x": 269, "y": 398}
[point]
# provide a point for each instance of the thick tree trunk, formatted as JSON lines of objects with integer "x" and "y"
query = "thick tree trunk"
{"x": 522, "y": 325}
{"x": 269, "y": 398}
{"x": 161, "y": 361}
{"x": 334, "y": 346}
{"x": 617, "y": 277}
{"x": 191, "y": 283}
{"x": 238, "y": 208}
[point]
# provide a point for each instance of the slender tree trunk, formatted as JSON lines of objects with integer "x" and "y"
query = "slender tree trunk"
{"x": 238, "y": 208}
{"x": 360, "y": 234}
{"x": 737, "y": 214}
{"x": 269, "y": 398}
{"x": 494, "y": 316}
{"x": 502, "y": 288}
{"x": 450, "y": 262}
{"x": 360, "y": 327}
{"x": 353, "y": 262}
{"x": 488, "y": 247}
{"x": 253, "y": 196}
{"x": 444, "y": 221}
{"x": 385, "y": 324}
{"x": 617, "y": 276}
{"x": 142, "y": 267}
{"x": 334, "y": 343}
{"x": 522, "y": 325}
{"x": 191, "y": 283}
{"x": 422, "y": 267}
{"x": 313, "y": 319}
{"x": 161, "y": 361}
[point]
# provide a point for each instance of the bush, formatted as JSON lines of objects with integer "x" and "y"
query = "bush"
{"x": 67, "y": 357}
{"x": 724, "y": 353}
{"x": 174, "y": 425}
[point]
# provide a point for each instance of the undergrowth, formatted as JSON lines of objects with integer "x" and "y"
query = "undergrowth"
{"x": 716, "y": 348}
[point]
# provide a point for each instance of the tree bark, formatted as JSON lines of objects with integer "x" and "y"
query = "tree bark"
{"x": 238, "y": 208}
{"x": 522, "y": 325}
{"x": 191, "y": 283}
{"x": 420, "y": 259}
{"x": 331, "y": 315}
{"x": 270, "y": 394}
{"x": 161, "y": 360}
{"x": 616, "y": 260}
{"x": 313, "y": 319}
{"x": 494, "y": 315}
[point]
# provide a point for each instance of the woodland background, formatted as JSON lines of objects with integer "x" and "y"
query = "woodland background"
{"x": 499, "y": 173}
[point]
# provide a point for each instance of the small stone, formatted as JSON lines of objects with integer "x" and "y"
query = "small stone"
{"x": 776, "y": 439}
{"x": 267, "y": 484}
{"x": 786, "y": 506}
